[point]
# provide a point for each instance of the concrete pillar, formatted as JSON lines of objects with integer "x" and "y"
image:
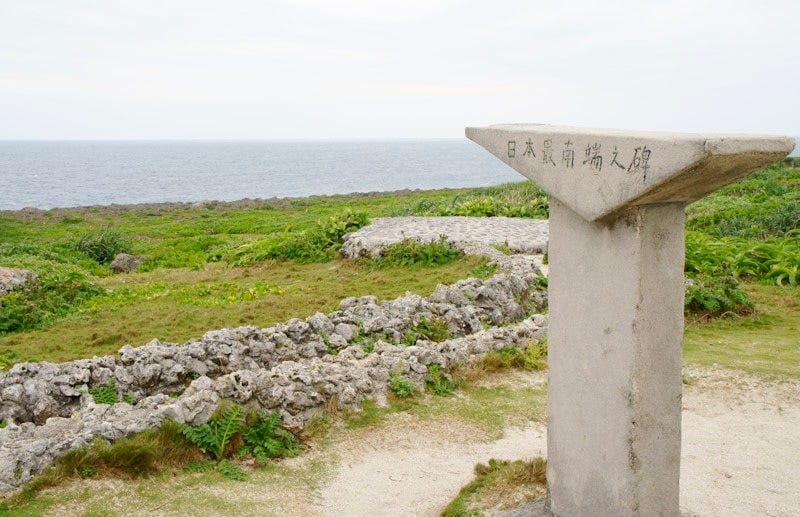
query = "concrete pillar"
{"x": 614, "y": 355}
{"x": 616, "y": 299}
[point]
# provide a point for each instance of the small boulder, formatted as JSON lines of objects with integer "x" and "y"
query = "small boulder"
{"x": 125, "y": 263}
{"x": 13, "y": 278}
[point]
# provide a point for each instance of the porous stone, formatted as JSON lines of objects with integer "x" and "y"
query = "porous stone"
{"x": 125, "y": 263}
{"x": 293, "y": 368}
{"x": 12, "y": 279}
{"x": 520, "y": 235}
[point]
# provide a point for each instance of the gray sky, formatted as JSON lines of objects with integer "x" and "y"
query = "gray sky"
{"x": 408, "y": 68}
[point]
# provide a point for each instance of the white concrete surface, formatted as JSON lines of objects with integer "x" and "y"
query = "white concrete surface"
{"x": 616, "y": 299}
{"x": 599, "y": 172}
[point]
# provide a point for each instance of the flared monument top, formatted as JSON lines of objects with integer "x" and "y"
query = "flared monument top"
{"x": 598, "y": 173}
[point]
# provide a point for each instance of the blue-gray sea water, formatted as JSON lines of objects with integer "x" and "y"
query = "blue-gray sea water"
{"x": 47, "y": 174}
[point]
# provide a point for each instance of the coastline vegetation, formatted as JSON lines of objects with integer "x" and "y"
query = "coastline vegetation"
{"x": 212, "y": 264}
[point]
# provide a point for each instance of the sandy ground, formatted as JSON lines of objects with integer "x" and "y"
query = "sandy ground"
{"x": 741, "y": 455}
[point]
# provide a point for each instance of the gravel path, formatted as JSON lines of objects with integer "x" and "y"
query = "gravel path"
{"x": 528, "y": 236}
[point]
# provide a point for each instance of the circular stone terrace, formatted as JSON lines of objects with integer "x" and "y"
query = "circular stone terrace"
{"x": 520, "y": 235}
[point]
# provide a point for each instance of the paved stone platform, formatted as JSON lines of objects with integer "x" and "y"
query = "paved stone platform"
{"x": 521, "y": 235}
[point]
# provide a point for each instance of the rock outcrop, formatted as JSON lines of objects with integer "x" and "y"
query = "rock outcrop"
{"x": 294, "y": 368}
{"x": 12, "y": 279}
{"x": 125, "y": 263}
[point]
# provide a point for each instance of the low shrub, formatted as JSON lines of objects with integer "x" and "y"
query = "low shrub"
{"x": 532, "y": 357}
{"x": 258, "y": 434}
{"x": 484, "y": 271}
{"x": 488, "y": 206}
{"x": 438, "y": 383}
{"x": 765, "y": 205}
{"x": 434, "y": 329}
{"x": 715, "y": 296}
{"x": 105, "y": 394}
{"x": 773, "y": 261}
{"x": 60, "y": 290}
{"x": 319, "y": 244}
{"x": 136, "y": 456}
{"x": 102, "y": 247}
{"x": 410, "y": 252}
{"x": 7, "y": 359}
{"x": 400, "y": 387}
{"x": 214, "y": 436}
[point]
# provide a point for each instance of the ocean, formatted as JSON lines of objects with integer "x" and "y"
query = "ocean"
{"x": 48, "y": 174}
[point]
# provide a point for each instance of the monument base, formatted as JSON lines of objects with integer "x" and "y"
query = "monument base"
{"x": 614, "y": 354}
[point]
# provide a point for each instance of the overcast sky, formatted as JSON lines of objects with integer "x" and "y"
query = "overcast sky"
{"x": 410, "y": 68}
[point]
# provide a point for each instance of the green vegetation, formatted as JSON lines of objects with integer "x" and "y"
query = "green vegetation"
{"x": 512, "y": 200}
{"x": 101, "y": 247}
{"x": 484, "y": 271}
{"x": 499, "y": 483}
{"x": 166, "y": 304}
{"x": 258, "y": 433}
{"x": 60, "y": 289}
{"x": 141, "y": 455}
{"x": 765, "y": 343}
{"x": 7, "y": 359}
{"x": 105, "y": 394}
{"x": 206, "y": 266}
{"x": 169, "y": 449}
{"x": 765, "y": 205}
{"x": 532, "y": 358}
{"x": 411, "y": 252}
{"x": 181, "y": 479}
{"x": 264, "y": 262}
{"x": 434, "y": 329}
{"x": 400, "y": 387}
{"x": 264, "y": 439}
{"x": 214, "y": 436}
{"x": 710, "y": 296}
{"x": 439, "y": 382}
{"x": 317, "y": 244}
{"x": 747, "y": 230}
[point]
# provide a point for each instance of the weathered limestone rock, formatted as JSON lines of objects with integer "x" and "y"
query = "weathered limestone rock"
{"x": 125, "y": 263}
{"x": 296, "y": 389}
{"x": 519, "y": 234}
{"x": 289, "y": 368}
{"x": 13, "y": 278}
{"x": 616, "y": 299}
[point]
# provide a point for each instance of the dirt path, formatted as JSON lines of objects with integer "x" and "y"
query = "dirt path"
{"x": 419, "y": 472}
{"x": 741, "y": 438}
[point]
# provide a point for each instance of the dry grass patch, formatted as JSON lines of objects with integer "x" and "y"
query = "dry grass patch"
{"x": 500, "y": 485}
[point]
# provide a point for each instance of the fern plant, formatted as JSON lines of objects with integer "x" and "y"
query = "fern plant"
{"x": 264, "y": 439}
{"x": 215, "y": 435}
{"x": 104, "y": 394}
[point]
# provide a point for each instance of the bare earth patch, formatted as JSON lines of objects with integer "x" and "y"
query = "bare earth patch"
{"x": 417, "y": 470}
{"x": 741, "y": 435}
{"x": 741, "y": 445}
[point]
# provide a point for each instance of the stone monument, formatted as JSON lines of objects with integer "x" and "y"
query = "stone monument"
{"x": 616, "y": 290}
